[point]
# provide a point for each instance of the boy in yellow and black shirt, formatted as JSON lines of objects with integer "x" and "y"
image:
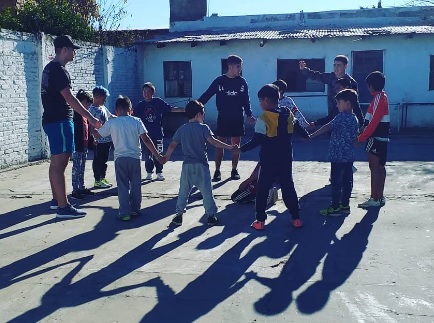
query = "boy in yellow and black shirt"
{"x": 273, "y": 132}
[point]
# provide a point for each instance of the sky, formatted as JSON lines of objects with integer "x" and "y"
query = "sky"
{"x": 153, "y": 14}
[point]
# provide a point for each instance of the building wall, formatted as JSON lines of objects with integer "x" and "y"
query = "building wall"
{"x": 406, "y": 66}
{"x": 22, "y": 59}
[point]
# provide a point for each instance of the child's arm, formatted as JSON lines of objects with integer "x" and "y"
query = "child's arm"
{"x": 150, "y": 145}
{"x": 326, "y": 128}
{"x": 170, "y": 150}
{"x": 217, "y": 143}
{"x": 176, "y": 109}
{"x": 300, "y": 130}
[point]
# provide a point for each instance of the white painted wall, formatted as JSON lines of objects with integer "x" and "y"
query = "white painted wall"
{"x": 406, "y": 66}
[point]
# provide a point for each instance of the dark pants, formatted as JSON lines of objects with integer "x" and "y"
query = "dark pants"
{"x": 128, "y": 180}
{"x": 100, "y": 158}
{"x": 150, "y": 160}
{"x": 267, "y": 175}
{"x": 342, "y": 183}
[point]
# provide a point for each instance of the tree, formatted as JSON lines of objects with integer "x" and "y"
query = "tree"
{"x": 82, "y": 19}
{"x": 51, "y": 16}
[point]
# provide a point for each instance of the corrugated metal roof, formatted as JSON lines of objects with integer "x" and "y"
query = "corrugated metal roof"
{"x": 207, "y": 36}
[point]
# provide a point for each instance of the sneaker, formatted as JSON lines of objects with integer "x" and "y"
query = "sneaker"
{"x": 383, "y": 201}
{"x": 77, "y": 195}
{"x": 345, "y": 209}
{"x": 69, "y": 212}
{"x": 177, "y": 220}
{"x": 53, "y": 205}
{"x": 124, "y": 217}
{"x": 330, "y": 211}
{"x": 100, "y": 184}
{"x": 297, "y": 223}
{"x": 272, "y": 196}
{"x": 258, "y": 225}
{"x": 235, "y": 175}
{"x": 86, "y": 191}
{"x": 370, "y": 203}
{"x": 160, "y": 177}
{"x": 217, "y": 176}
{"x": 105, "y": 181}
{"x": 135, "y": 214}
{"x": 212, "y": 220}
{"x": 148, "y": 177}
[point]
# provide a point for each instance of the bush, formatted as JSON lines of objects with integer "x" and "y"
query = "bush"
{"x": 49, "y": 16}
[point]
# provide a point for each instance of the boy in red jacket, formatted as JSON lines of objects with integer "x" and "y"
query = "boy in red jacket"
{"x": 377, "y": 134}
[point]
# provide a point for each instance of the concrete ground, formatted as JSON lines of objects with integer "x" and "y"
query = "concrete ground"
{"x": 371, "y": 266}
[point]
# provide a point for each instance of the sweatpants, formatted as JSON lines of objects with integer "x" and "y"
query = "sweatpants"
{"x": 78, "y": 167}
{"x": 196, "y": 175}
{"x": 267, "y": 176}
{"x": 100, "y": 158}
{"x": 129, "y": 182}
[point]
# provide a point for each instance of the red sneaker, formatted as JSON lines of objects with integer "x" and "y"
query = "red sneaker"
{"x": 258, "y": 225}
{"x": 297, "y": 223}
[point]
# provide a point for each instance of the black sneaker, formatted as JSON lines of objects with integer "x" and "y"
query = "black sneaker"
{"x": 86, "y": 191}
{"x": 77, "y": 195}
{"x": 212, "y": 220}
{"x": 235, "y": 175}
{"x": 177, "y": 220}
{"x": 217, "y": 176}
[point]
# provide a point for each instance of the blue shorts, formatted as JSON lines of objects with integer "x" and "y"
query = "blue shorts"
{"x": 60, "y": 136}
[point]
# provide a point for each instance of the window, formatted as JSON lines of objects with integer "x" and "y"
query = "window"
{"x": 177, "y": 79}
{"x": 365, "y": 62}
{"x": 289, "y": 71}
{"x": 431, "y": 73}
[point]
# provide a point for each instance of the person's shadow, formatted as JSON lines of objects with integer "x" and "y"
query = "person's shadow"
{"x": 342, "y": 259}
{"x": 310, "y": 244}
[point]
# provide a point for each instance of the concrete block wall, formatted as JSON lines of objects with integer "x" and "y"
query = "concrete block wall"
{"x": 22, "y": 59}
{"x": 20, "y": 113}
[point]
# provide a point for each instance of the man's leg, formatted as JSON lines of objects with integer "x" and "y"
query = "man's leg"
{"x": 377, "y": 176}
{"x": 56, "y": 174}
{"x": 219, "y": 154}
{"x": 235, "y": 155}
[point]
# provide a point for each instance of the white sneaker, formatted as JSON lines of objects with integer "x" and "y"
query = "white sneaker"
{"x": 148, "y": 177}
{"x": 370, "y": 203}
{"x": 160, "y": 177}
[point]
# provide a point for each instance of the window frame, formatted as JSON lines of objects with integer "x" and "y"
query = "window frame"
{"x": 181, "y": 80}
{"x": 296, "y": 81}
{"x": 360, "y": 71}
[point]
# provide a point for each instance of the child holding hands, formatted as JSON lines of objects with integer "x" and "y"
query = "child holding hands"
{"x": 193, "y": 137}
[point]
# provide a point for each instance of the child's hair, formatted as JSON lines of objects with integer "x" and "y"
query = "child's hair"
{"x": 234, "y": 60}
{"x": 149, "y": 85}
{"x": 269, "y": 91}
{"x": 344, "y": 82}
{"x": 342, "y": 58}
{"x": 123, "y": 103}
{"x": 347, "y": 95}
{"x": 376, "y": 80}
{"x": 193, "y": 108}
{"x": 100, "y": 90}
{"x": 83, "y": 95}
{"x": 281, "y": 84}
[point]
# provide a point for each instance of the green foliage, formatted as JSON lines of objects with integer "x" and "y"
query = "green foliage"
{"x": 54, "y": 17}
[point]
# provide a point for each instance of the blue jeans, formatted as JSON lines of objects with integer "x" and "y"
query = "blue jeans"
{"x": 342, "y": 183}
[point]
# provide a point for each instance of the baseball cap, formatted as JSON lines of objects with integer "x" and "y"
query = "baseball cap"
{"x": 64, "y": 41}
